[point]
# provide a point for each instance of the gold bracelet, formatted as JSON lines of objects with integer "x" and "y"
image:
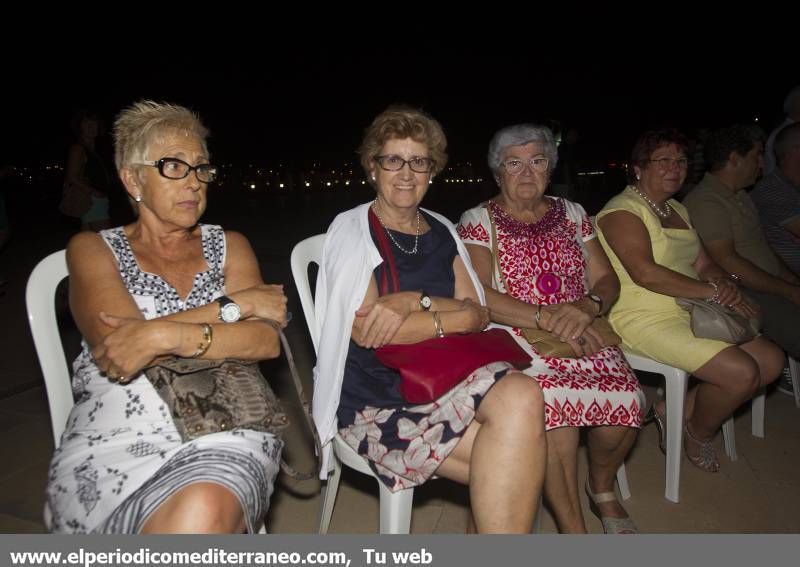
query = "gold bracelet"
{"x": 205, "y": 341}
{"x": 438, "y": 324}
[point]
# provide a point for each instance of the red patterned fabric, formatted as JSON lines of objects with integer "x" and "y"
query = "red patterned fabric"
{"x": 469, "y": 232}
{"x": 545, "y": 263}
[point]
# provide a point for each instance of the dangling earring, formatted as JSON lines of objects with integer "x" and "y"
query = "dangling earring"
{"x": 374, "y": 179}
{"x": 138, "y": 198}
{"x": 638, "y": 177}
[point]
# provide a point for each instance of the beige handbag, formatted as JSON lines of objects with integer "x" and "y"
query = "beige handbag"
{"x": 547, "y": 344}
{"x": 714, "y": 321}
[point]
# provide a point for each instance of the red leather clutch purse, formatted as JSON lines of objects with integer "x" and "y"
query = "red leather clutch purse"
{"x": 431, "y": 368}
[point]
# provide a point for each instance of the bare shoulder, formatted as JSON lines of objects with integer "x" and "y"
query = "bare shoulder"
{"x": 87, "y": 251}
{"x": 236, "y": 239}
{"x": 241, "y": 265}
{"x": 85, "y": 242}
{"x": 238, "y": 246}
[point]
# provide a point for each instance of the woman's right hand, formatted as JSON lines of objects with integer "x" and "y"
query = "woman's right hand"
{"x": 264, "y": 301}
{"x": 133, "y": 344}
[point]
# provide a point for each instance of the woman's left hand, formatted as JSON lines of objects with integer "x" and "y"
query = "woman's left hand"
{"x": 132, "y": 345}
{"x": 378, "y": 323}
{"x": 566, "y": 320}
{"x": 588, "y": 343}
{"x": 728, "y": 291}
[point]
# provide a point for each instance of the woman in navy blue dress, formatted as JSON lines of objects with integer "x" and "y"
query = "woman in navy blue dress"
{"x": 488, "y": 431}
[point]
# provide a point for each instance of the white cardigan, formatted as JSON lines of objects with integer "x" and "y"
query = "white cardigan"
{"x": 348, "y": 259}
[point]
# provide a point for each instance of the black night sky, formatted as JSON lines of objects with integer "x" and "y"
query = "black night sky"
{"x": 298, "y": 100}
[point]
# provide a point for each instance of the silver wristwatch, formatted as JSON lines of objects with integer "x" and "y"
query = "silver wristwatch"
{"x": 425, "y": 301}
{"x": 229, "y": 310}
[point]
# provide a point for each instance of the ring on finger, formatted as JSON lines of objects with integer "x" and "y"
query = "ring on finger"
{"x": 580, "y": 340}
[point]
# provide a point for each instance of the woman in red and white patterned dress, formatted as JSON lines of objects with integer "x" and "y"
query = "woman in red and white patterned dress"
{"x": 556, "y": 276}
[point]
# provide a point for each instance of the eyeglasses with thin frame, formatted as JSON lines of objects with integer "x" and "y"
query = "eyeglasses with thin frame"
{"x": 417, "y": 164}
{"x": 666, "y": 163}
{"x": 174, "y": 168}
{"x": 514, "y": 166}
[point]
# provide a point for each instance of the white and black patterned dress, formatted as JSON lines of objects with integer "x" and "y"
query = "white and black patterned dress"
{"x": 120, "y": 456}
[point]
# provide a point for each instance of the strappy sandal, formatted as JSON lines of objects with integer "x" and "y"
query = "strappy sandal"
{"x": 621, "y": 526}
{"x": 658, "y": 419}
{"x": 707, "y": 459}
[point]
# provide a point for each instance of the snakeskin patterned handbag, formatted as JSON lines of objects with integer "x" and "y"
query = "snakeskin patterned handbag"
{"x": 209, "y": 396}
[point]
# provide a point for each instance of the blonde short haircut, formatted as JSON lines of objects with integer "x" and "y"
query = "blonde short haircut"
{"x": 401, "y": 122}
{"x": 146, "y": 122}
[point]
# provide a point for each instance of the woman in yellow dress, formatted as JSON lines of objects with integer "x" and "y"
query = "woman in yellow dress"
{"x": 657, "y": 255}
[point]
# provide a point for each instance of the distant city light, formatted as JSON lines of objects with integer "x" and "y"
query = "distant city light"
{"x": 308, "y": 184}
{"x": 252, "y": 186}
{"x": 280, "y": 185}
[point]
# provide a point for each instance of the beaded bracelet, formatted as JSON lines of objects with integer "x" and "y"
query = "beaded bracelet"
{"x": 735, "y": 278}
{"x": 714, "y": 298}
{"x": 205, "y": 341}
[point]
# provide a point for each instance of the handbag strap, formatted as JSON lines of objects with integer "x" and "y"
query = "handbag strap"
{"x": 389, "y": 281}
{"x": 309, "y": 418}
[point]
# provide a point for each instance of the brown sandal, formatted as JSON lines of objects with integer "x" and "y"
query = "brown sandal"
{"x": 707, "y": 458}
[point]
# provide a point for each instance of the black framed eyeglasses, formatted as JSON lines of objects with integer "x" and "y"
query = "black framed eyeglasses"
{"x": 174, "y": 168}
{"x": 396, "y": 163}
{"x": 666, "y": 163}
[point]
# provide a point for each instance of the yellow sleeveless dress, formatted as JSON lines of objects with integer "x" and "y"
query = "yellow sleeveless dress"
{"x": 652, "y": 324}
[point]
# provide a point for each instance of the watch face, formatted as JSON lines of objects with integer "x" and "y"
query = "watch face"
{"x": 425, "y": 302}
{"x": 230, "y": 312}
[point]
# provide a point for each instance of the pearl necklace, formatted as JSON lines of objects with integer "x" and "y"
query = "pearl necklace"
{"x": 391, "y": 236}
{"x": 663, "y": 213}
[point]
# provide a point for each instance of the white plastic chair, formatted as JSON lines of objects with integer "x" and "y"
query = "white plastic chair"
{"x": 794, "y": 372}
{"x": 40, "y": 300}
{"x": 675, "y": 382}
{"x": 395, "y": 507}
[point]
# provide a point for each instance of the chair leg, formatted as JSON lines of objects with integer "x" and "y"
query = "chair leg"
{"x": 675, "y": 386}
{"x": 395, "y": 510}
{"x": 757, "y": 408}
{"x": 729, "y": 438}
{"x": 794, "y": 371}
{"x": 328, "y": 496}
{"x": 622, "y": 482}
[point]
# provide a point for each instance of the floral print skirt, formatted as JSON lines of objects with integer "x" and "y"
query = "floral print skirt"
{"x": 405, "y": 446}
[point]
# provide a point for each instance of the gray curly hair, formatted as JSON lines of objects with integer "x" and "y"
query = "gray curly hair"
{"x": 520, "y": 135}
